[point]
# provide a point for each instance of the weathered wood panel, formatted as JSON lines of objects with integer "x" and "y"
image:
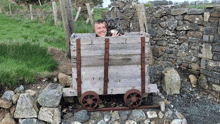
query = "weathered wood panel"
{"x": 90, "y": 39}
{"x": 96, "y": 74}
{"x": 114, "y": 49}
{"x": 89, "y": 61}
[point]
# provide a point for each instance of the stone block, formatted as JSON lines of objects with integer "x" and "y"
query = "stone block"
{"x": 216, "y": 47}
{"x": 193, "y": 40}
{"x": 179, "y": 17}
{"x": 217, "y": 38}
{"x": 209, "y": 31}
{"x": 194, "y": 34}
{"x": 213, "y": 65}
{"x": 171, "y": 82}
{"x": 206, "y": 38}
{"x": 179, "y": 11}
{"x": 211, "y": 38}
{"x": 218, "y": 30}
{"x": 162, "y": 43}
{"x": 193, "y": 11}
{"x": 215, "y": 14}
{"x": 170, "y": 50}
{"x": 213, "y": 80}
{"x": 204, "y": 63}
{"x": 206, "y": 16}
{"x": 210, "y": 73}
{"x": 210, "y": 24}
{"x": 198, "y": 19}
{"x": 216, "y": 56}
{"x": 216, "y": 87}
{"x": 212, "y": 19}
{"x": 51, "y": 115}
{"x": 207, "y": 51}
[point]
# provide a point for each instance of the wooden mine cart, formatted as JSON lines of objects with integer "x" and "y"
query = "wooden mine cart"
{"x": 110, "y": 65}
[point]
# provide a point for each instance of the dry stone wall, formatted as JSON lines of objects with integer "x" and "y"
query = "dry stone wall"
{"x": 185, "y": 37}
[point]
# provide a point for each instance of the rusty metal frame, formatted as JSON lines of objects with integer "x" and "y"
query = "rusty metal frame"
{"x": 142, "y": 64}
{"x": 106, "y": 60}
{"x": 120, "y": 108}
{"x": 78, "y": 57}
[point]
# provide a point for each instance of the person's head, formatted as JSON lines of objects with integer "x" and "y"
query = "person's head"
{"x": 100, "y": 28}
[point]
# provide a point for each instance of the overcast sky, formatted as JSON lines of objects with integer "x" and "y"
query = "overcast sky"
{"x": 107, "y": 2}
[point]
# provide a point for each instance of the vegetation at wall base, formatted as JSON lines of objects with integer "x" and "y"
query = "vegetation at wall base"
{"x": 23, "y": 61}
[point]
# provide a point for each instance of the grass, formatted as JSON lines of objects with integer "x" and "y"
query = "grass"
{"x": 22, "y": 62}
{"x": 24, "y": 43}
{"x": 200, "y": 6}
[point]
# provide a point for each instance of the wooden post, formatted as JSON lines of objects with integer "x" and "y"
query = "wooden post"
{"x": 114, "y": 12}
{"x": 142, "y": 17}
{"x": 68, "y": 21}
{"x": 87, "y": 21}
{"x": 39, "y": 2}
{"x": 54, "y": 12}
{"x": 77, "y": 15}
{"x": 31, "y": 11}
{"x": 90, "y": 15}
{"x": 10, "y": 9}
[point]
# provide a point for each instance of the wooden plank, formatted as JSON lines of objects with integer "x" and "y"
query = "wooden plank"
{"x": 10, "y": 9}
{"x": 39, "y": 2}
{"x": 88, "y": 39}
{"x": 54, "y": 12}
{"x": 77, "y": 15}
{"x": 88, "y": 61}
{"x": 114, "y": 71}
{"x": 88, "y": 19}
{"x": 90, "y": 15}
{"x": 115, "y": 49}
{"x": 31, "y": 11}
{"x": 142, "y": 17}
{"x": 68, "y": 21}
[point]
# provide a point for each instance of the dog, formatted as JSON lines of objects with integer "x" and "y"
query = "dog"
{"x": 112, "y": 25}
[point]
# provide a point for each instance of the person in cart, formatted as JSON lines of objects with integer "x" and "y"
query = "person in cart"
{"x": 101, "y": 29}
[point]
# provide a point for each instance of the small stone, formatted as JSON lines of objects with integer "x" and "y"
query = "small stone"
{"x": 130, "y": 122}
{"x": 31, "y": 92}
{"x": 160, "y": 114}
{"x": 75, "y": 122}
{"x": 153, "y": 122}
{"x": 8, "y": 119}
{"x": 178, "y": 121}
{"x": 193, "y": 80}
{"x": 15, "y": 98}
{"x": 124, "y": 115}
{"x": 4, "y": 103}
{"x": 96, "y": 116}
{"x": 81, "y": 116}
{"x": 137, "y": 115}
{"x": 152, "y": 114}
{"x": 168, "y": 114}
{"x": 147, "y": 121}
{"x": 8, "y": 95}
{"x": 166, "y": 102}
{"x": 115, "y": 116}
{"x": 162, "y": 106}
{"x": 101, "y": 122}
{"x": 19, "y": 89}
{"x": 106, "y": 118}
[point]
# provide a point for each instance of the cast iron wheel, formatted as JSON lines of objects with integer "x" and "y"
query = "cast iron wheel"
{"x": 89, "y": 100}
{"x": 133, "y": 98}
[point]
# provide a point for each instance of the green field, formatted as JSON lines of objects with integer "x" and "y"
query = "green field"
{"x": 24, "y": 44}
{"x": 201, "y": 6}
